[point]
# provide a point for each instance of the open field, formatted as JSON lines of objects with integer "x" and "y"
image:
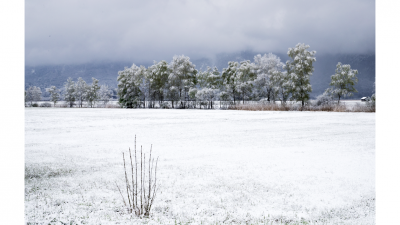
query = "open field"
{"x": 216, "y": 166}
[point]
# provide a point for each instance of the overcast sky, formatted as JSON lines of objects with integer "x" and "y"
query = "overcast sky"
{"x": 76, "y": 31}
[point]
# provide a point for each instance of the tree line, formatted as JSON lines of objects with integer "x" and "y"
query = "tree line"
{"x": 180, "y": 83}
{"x": 78, "y": 91}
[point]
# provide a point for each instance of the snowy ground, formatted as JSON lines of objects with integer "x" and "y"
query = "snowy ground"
{"x": 216, "y": 166}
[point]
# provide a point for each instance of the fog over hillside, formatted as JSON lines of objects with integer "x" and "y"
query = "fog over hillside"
{"x": 107, "y": 72}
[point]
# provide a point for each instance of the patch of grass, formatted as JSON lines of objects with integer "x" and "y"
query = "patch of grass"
{"x": 309, "y": 107}
{"x": 110, "y": 105}
{"x": 37, "y": 171}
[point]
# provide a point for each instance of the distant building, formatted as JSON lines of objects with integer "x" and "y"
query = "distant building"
{"x": 365, "y": 99}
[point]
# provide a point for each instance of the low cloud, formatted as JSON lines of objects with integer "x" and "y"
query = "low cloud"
{"x": 73, "y": 31}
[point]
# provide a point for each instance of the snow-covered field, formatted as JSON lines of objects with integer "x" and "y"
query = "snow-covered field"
{"x": 216, "y": 166}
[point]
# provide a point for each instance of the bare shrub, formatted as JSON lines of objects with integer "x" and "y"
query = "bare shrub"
{"x": 368, "y": 107}
{"x": 140, "y": 201}
{"x": 340, "y": 108}
{"x": 323, "y": 100}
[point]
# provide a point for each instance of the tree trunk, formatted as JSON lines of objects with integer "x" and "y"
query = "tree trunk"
{"x": 234, "y": 97}
{"x": 180, "y": 96}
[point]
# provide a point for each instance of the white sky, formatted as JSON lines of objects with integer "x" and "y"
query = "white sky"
{"x": 74, "y": 31}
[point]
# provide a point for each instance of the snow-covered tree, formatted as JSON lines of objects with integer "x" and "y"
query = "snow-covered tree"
{"x": 215, "y": 79}
{"x": 324, "y": 100}
{"x": 207, "y": 94}
{"x": 69, "y": 93}
{"x": 173, "y": 95}
{"x": 265, "y": 66}
{"x": 281, "y": 85}
{"x": 29, "y": 95}
{"x": 343, "y": 81}
{"x": 158, "y": 74}
{"x": 33, "y": 94}
{"x": 229, "y": 77}
{"x": 128, "y": 86}
{"x": 373, "y": 96}
{"x": 182, "y": 76}
{"x": 192, "y": 95}
{"x": 81, "y": 91}
{"x": 145, "y": 82}
{"x": 54, "y": 94}
{"x": 244, "y": 78}
{"x": 208, "y": 82}
{"x": 92, "y": 94}
{"x": 105, "y": 94}
{"x": 224, "y": 98}
{"x": 373, "y": 99}
{"x": 201, "y": 78}
{"x": 301, "y": 68}
{"x": 210, "y": 78}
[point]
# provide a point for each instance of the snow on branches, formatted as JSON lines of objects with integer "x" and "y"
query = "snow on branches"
{"x": 343, "y": 81}
{"x": 300, "y": 69}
